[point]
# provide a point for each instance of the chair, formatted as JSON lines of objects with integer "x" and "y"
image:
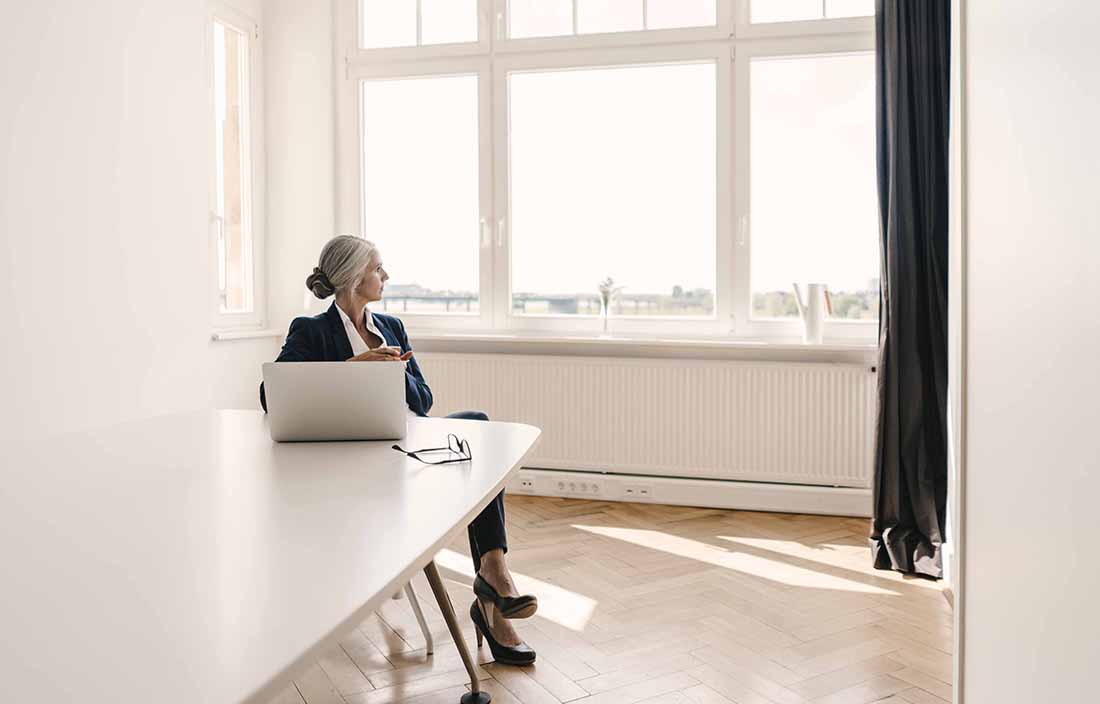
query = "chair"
{"x": 415, "y": 604}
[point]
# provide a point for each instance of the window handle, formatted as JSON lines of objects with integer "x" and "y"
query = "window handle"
{"x": 500, "y": 25}
{"x": 219, "y": 222}
{"x": 486, "y": 238}
{"x": 500, "y": 232}
{"x": 743, "y": 230}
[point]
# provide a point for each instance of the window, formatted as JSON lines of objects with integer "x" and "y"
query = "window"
{"x": 235, "y": 241}
{"x": 812, "y": 179}
{"x": 420, "y": 190}
{"x": 702, "y": 163}
{"x": 795, "y": 10}
{"x": 548, "y": 18}
{"x": 410, "y": 23}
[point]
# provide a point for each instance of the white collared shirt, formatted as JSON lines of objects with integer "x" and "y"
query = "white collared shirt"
{"x": 358, "y": 344}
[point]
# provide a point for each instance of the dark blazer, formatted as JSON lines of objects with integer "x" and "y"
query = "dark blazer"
{"x": 322, "y": 338}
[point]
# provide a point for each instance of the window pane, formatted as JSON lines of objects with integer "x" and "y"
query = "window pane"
{"x": 539, "y": 18}
{"x": 786, "y": 10}
{"x": 388, "y": 23}
{"x": 448, "y": 21}
{"x": 233, "y": 174}
{"x": 812, "y": 181}
{"x": 594, "y": 16}
{"x": 793, "y": 10}
{"x": 668, "y": 14}
{"x": 613, "y": 175}
{"x": 420, "y": 190}
{"x": 849, "y": 8}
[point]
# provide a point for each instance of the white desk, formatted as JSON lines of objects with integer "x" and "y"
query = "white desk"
{"x": 190, "y": 559}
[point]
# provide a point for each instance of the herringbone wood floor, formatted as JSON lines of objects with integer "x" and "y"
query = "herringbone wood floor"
{"x": 647, "y": 603}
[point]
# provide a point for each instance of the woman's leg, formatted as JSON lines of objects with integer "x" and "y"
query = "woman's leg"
{"x": 488, "y": 543}
{"x": 488, "y": 536}
{"x": 487, "y": 532}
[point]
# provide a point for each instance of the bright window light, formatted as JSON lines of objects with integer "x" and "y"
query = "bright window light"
{"x": 539, "y": 18}
{"x": 420, "y": 190}
{"x": 613, "y": 175}
{"x": 670, "y": 14}
{"x": 813, "y": 208}
{"x": 448, "y": 21}
{"x": 595, "y": 16}
{"x": 232, "y": 208}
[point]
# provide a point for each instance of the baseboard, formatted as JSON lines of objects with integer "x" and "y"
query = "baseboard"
{"x": 706, "y": 493}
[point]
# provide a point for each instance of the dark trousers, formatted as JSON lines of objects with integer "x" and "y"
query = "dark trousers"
{"x": 487, "y": 530}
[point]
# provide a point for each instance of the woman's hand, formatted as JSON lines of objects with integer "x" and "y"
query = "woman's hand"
{"x": 382, "y": 354}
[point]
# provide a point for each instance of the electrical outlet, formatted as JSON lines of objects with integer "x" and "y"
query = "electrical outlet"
{"x": 641, "y": 492}
{"x": 526, "y": 482}
{"x": 574, "y": 486}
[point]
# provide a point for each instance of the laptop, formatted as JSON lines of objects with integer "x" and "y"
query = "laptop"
{"x": 312, "y": 401}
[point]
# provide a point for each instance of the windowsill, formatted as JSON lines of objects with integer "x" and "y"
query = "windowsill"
{"x": 653, "y": 347}
{"x": 228, "y": 335}
{"x": 849, "y": 352}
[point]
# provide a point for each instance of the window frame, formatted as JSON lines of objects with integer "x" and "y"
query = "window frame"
{"x": 354, "y": 221}
{"x": 731, "y": 43}
{"x": 252, "y": 158}
{"x": 715, "y": 324}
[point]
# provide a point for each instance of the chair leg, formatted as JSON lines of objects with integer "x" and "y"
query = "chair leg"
{"x": 475, "y": 695}
{"x": 415, "y": 604}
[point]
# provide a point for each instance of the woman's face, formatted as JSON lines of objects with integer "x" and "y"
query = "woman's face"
{"x": 374, "y": 279}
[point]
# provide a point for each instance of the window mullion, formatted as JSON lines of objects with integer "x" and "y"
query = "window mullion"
{"x": 490, "y": 267}
{"x": 498, "y": 154}
{"x": 738, "y": 131}
{"x": 420, "y": 23}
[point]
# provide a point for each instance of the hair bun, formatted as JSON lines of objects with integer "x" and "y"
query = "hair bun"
{"x": 320, "y": 285}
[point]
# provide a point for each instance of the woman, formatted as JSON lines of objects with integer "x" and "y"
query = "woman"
{"x": 350, "y": 268}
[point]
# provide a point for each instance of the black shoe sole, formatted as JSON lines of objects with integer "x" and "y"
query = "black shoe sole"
{"x": 519, "y": 607}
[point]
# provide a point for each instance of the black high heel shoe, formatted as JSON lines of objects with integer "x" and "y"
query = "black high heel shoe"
{"x": 523, "y": 606}
{"x": 504, "y": 654}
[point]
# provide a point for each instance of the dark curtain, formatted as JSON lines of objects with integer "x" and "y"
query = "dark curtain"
{"x": 913, "y": 39}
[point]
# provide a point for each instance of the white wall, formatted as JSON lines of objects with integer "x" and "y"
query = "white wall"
{"x": 300, "y": 147}
{"x": 104, "y": 172}
{"x": 1032, "y": 344}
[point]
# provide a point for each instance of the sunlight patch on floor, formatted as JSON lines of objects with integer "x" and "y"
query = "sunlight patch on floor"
{"x": 812, "y": 553}
{"x": 561, "y": 606}
{"x": 775, "y": 570}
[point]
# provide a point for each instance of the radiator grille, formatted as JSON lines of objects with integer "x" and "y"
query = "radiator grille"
{"x": 748, "y": 421}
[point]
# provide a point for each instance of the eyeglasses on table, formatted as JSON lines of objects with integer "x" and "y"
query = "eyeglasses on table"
{"x": 455, "y": 446}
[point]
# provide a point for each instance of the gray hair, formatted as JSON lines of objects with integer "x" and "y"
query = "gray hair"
{"x": 342, "y": 260}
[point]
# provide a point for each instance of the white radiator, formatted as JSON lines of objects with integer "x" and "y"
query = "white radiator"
{"x": 746, "y": 421}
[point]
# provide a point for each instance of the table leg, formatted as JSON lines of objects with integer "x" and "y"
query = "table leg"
{"x": 475, "y": 695}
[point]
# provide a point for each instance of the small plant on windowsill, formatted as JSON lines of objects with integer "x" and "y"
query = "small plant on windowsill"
{"x": 608, "y": 292}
